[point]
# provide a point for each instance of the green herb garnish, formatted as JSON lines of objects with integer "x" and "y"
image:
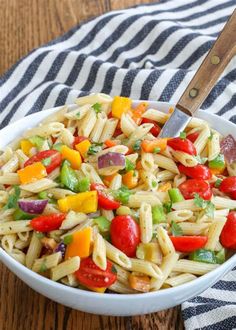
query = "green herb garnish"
{"x": 176, "y": 230}
{"x": 94, "y": 148}
{"x": 156, "y": 150}
{"x": 208, "y": 206}
{"x": 97, "y": 107}
{"x": 39, "y": 235}
{"x": 167, "y": 207}
{"x": 217, "y": 183}
{"x": 122, "y": 194}
{"x": 154, "y": 184}
{"x": 13, "y": 199}
{"x": 129, "y": 166}
{"x": 78, "y": 115}
{"x": 211, "y": 136}
{"x": 137, "y": 145}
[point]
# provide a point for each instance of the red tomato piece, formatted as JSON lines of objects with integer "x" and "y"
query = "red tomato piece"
{"x": 45, "y": 223}
{"x": 125, "y": 234}
{"x": 195, "y": 186}
{"x": 188, "y": 243}
{"x": 117, "y": 132}
{"x": 78, "y": 139}
{"x": 228, "y": 234}
{"x": 193, "y": 136}
{"x": 196, "y": 172}
{"x": 155, "y": 129}
{"x": 89, "y": 274}
{"x": 105, "y": 201}
{"x": 54, "y": 156}
{"x": 184, "y": 145}
{"x": 233, "y": 195}
{"x": 228, "y": 185}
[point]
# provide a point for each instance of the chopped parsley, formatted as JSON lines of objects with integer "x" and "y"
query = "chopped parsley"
{"x": 208, "y": 206}
{"x": 137, "y": 145}
{"x": 156, "y": 150}
{"x": 176, "y": 230}
{"x": 200, "y": 160}
{"x": 217, "y": 183}
{"x": 97, "y": 107}
{"x": 167, "y": 207}
{"x": 129, "y": 166}
{"x": 94, "y": 148}
{"x": 182, "y": 135}
{"x": 68, "y": 239}
{"x": 46, "y": 161}
{"x": 13, "y": 199}
{"x": 43, "y": 267}
{"x": 78, "y": 115}
{"x": 113, "y": 269}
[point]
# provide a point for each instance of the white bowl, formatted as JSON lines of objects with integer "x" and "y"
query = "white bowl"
{"x": 113, "y": 304}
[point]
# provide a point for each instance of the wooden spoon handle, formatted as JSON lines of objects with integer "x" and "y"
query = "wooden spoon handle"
{"x": 211, "y": 68}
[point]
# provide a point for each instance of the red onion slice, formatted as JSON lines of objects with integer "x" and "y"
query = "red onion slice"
{"x": 111, "y": 159}
{"x": 228, "y": 148}
{"x": 33, "y": 206}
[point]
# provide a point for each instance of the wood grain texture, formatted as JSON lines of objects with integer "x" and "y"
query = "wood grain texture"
{"x": 24, "y": 25}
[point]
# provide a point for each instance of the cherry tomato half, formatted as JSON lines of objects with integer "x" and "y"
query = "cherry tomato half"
{"x": 184, "y": 145}
{"x": 188, "y": 243}
{"x": 53, "y": 156}
{"x": 196, "y": 172}
{"x": 228, "y": 234}
{"x": 45, "y": 223}
{"x": 125, "y": 234}
{"x": 78, "y": 139}
{"x": 155, "y": 129}
{"x": 228, "y": 185}
{"x": 193, "y": 136}
{"x": 89, "y": 274}
{"x": 105, "y": 201}
{"x": 195, "y": 186}
{"x": 233, "y": 195}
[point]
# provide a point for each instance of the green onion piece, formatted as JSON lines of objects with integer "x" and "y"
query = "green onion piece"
{"x": 156, "y": 150}
{"x": 175, "y": 195}
{"x": 220, "y": 256}
{"x": 176, "y": 230}
{"x": 43, "y": 195}
{"x": 217, "y": 163}
{"x": 122, "y": 194}
{"x": 217, "y": 183}
{"x": 203, "y": 255}
{"x": 103, "y": 223}
{"x": 84, "y": 184}
{"x": 68, "y": 239}
{"x": 129, "y": 166}
{"x": 167, "y": 207}
{"x": 137, "y": 145}
{"x": 38, "y": 141}
{"x": 158, "y": 214}
{"x": 69, "y": 178}
{"x": 57, "y": 146}
{"x": 182, "y": 135}
{"x": 13, "y": 199}
{"x": 97, "y": 107}
{"x": 21, "y": 215}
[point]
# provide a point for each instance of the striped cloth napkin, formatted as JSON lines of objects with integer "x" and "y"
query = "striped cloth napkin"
{"x": 147, "y": 52}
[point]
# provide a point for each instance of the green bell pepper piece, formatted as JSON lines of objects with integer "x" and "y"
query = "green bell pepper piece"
{"x": 103, "y": 223}
{"x": 175, "y": 195}
{"x": 83, "y": 184}
{"x": 43, "y": 195}
{"x": 38, "y": 141}
{"x": 203, "y": 255}
{"x": 69, "y": 178}
{"x": 217, "y": 163}
{"x": 220, "y": 256}
{"x": 57, "y": 146}
{"x": 158, "y": 214}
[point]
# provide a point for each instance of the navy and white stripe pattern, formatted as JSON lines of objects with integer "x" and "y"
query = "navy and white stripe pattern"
{"x": 147, "y": 52}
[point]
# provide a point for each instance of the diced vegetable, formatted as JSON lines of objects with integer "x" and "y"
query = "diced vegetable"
{"x": 69, "y": 178}
{"x": 80, "y": 244}
{"x": 188, "y": 243}
{"x": 137, "y": 112}
{"x": 105, "y": 199}
{"x": 203, "y": 255}
{"x": 61, "y": 248}
{"x": 21, "y": 215}
{"x": 155, "y": 130}
{"x": 84, "y": 184}
{"x": 228, "y": 234}
{"x": 42, "y": 195}
{"x": 83, "y": 147}
{"x": 140, "y": 283}
{"x": 175, "y": 195}
{"x": 32, "y": 173}
{"x": 33, "y": 206}
{"x": 90, "y": 275}
{"x": 46, "y": 223}
{"x": 26, "y": 146}
{"x": 77, "y": 140}
{"x": 110, "y": 143}
{"x": 158, "y": 214}
{"x": 164, "y": 186}
{"x": 51, "y": 157}
{"x": 217, "y": 163}
{"x": 57, "y": 146}
{"x": 184, "y": 145}
{"x": 13, "y": 199}
{"x": 85, "y": 202}
{"x": 111, "y": 159}
{"x": 122, "y": 194}
{"x": 228, "y": 185}
{"x": 129, "y": 165}
{"x": 196, "y": 172}
{"x": 72, "y": 156}
{"x": 103, "y": 223}
{"x": 228, "y": 148}
{"x": 151, "y": 145}
{"x": 130, "y": 179}
{"x": 220, "y": 256}
{"x": 120, "y": 105}
{"x": 37, "y": 141}
{"x": 94, "y": 148}
{"x": 191, "y": 187}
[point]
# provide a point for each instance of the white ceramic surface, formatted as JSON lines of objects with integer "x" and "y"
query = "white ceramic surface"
{"x": 113, "y": 304}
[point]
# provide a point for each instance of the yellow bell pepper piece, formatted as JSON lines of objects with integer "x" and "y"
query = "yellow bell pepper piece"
{"x": 165, "y": 186}
{"x": 80, "y": 245}
{"x": 26, "y": 146}
{"x": 72, "y": 156}
{"x": 32, "y": 173}
{"x": 99, "y": 290}
{"x": 83, "y": 147}
{"x": 120, "y": 105}
{"x": 86, "y": 202}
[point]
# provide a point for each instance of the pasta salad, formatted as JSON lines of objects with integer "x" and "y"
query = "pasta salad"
{"x": 92, "y": 198}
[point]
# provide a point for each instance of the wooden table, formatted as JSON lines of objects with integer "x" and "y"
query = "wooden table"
{"x": 26, "y": 24}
